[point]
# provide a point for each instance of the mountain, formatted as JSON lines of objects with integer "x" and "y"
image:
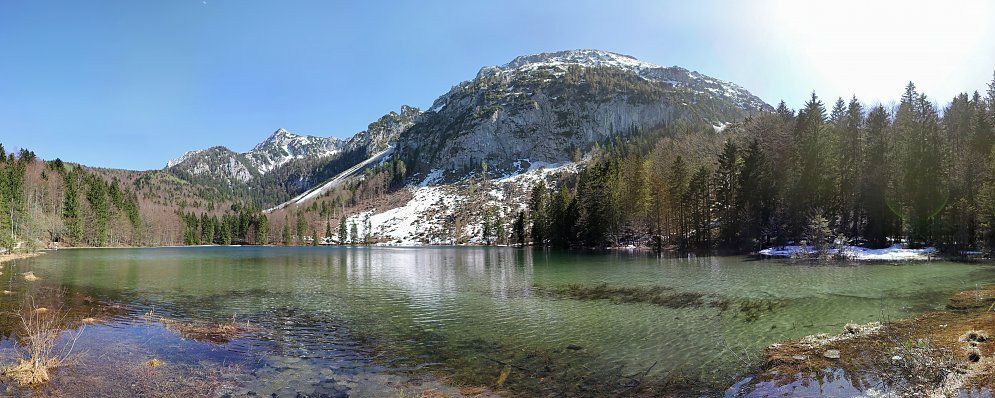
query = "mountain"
{"x": 285, "y": 164}
{"x": 284, "y": 146}
{"x": 546, "y": 107}
{"x": 279, "y": 148}
{"x": 538, "y": 110}
{"x": 214, "y": 165}
{"x": 383, "y": 132}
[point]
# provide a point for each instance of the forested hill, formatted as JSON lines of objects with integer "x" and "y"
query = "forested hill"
{"x": 75, "y": 205}
{"x": 855, "y": 173}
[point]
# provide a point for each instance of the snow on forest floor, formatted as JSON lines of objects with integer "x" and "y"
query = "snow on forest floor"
{"x": 893, "y": 253}
{"x": 444, "y": 213}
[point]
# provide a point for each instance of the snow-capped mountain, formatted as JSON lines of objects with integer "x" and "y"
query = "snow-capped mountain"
{"x": 223, "y": 164}
{"x": 545, "y": 107}
{"x": 218, "y": 163}
{"x": 283, "y": 146}
{"x": 285, "y": 163}
{"x": 537, "y": 109}
{"x": 559, "y": 62}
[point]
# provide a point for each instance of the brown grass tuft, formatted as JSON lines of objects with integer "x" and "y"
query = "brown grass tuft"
{"x": 38, "y": 348}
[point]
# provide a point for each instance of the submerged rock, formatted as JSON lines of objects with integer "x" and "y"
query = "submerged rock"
{"x": 832, "y": 354}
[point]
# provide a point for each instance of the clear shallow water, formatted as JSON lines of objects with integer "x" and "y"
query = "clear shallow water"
{"x": 363, "y": 310}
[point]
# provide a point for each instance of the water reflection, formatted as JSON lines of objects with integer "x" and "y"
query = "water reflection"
{"x": 351, "y": 308}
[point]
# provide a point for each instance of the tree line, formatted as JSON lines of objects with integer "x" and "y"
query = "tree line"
{"x": 64, "y": 203}
{"x": 872, "y": 175}
{"x": 239, "y": 225}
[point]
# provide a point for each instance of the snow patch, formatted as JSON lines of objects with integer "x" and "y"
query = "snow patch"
{"x": 422, "y": 220}
{"x": 411, "y": 224}
{"x": 181, "y": 159}
{"x": 893, "y": 253}
{"x": 332, "y": 183}
{"x": 433, "y": 177}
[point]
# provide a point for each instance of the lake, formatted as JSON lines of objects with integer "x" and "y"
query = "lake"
{"x": 331, "y": 321}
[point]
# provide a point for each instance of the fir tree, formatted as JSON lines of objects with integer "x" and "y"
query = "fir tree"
{"x": 286, "y": 231}
{"x": 343, "y": 232}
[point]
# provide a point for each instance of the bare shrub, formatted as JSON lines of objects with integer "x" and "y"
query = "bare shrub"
{"x": 39, "y": 349}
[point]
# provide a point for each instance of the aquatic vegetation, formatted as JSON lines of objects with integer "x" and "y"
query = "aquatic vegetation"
{"x": 39, "y": 348}
{"x": 657, "y": 295}
{"x": 560, "y": 371}
{"x": 969, "y": 300}
{"x": 752, "y": 309}
{"x": 217, "y": 333}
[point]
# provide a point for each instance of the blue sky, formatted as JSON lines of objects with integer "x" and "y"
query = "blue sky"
{"x": 132, "y": 84}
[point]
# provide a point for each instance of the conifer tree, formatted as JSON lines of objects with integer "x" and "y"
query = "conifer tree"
{"x": 727, "y": 195}
{"x": 518, "y": 229}
{"x": 286, "y": 231}
{"x": 343, "y": 232}
{"x": 539, "y": 214}
{"x": 262, "y": 231}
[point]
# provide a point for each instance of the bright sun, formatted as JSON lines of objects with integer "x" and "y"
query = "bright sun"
{"x": 872, "y": 49}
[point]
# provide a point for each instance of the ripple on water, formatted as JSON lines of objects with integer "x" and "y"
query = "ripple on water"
{"x": 358, "y": 309}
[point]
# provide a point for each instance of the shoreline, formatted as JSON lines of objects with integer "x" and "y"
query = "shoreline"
{"x": 936, "y": 353}
{"x": 20, "y": 256}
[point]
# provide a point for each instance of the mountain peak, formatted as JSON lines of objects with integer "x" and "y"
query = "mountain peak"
{"x": 586, "y": 57}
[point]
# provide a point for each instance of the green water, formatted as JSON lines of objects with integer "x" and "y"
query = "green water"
{"x": 376, "y": 309}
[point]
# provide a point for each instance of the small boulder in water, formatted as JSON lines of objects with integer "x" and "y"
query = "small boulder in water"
{"x": 832, "y": 354}
{"x": 30, "y": 276}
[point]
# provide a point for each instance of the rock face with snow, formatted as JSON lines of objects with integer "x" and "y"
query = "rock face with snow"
{"x": 283, "y": 146}
{"x": 216, "y": 164}
{"x": 536, "y": 109}
{"x": 303, "y": 159}
{"x": 383, "y": 132}
{"x": 544, "y": 107}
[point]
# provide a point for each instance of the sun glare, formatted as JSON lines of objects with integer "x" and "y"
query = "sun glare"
{"x": 875, "y": 48}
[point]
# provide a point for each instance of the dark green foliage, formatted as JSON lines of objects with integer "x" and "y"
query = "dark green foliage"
{"x": 97, "y": 197}
{"x": 262, "y": 231}
{"x": 301, "y": 228}
{"x": 856, "y": 174}
{"x": 242, "y": 225}
{"x": 285, "y": 236}
{"x": 343, "y": 231}
{"x": 518, "y": 229}
{"x": 539, "y": 214}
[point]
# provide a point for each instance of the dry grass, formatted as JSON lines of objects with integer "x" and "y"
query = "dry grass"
{"x": 934, "y": 354}
{"x": 971, "y": 300}
{"x": 38, "y": 347}
{"x": 217, "y": 333}
{"x": 18, "y": 256}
